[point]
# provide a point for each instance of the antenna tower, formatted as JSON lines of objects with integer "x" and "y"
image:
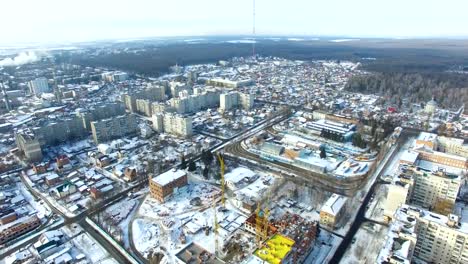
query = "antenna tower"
{"x": 253, "y": 30}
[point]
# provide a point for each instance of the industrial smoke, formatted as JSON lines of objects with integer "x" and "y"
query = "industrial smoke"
{"x": 21, "y": 59}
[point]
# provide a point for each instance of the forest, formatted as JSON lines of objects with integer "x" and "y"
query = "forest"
{"x": 450, "y": 90}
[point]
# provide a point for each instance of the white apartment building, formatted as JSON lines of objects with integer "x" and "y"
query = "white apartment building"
{"x": 158, "y": 122}
{"x": 39, "y": 86}
{"x": 434, "y": 191}
{"x": 173, "y": 124}
{"x": 437, "y": 191}
{"x": 231, "y": 100}
{"x": 427, "y": 236}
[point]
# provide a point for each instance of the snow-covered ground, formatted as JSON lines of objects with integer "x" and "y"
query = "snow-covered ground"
{"x": 324, "y": 248}
{"x": 146, "y": 235}
{"x": 179, "y": 203}
{"x": 367, "y": 244}
{"x": 375, "y": 208}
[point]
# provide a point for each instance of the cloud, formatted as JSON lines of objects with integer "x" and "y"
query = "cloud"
{"x": 22, "y": 58}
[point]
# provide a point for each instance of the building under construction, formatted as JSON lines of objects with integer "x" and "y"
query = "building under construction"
{"x": 302, "y": 231}
{"x": 291, "y": 226}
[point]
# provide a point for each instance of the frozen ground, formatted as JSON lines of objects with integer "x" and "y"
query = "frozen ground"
{"x": 367, "y": 244}
{"x": 180, "y": 202}
{"x": 375, "y": 208}
{"x": 324, "y": 248}
{"x": 146, "y": 235}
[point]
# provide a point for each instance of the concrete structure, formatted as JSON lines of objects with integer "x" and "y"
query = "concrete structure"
{"x": 164, "y": 185}
{"x": 53, "y": 132}
{"x": 398, "y": 194}
{"x": 99, "y": 112}
{"x": 232, "y": 100}
{"x": 426, "y": 139}
{"x": 158, "y": 122}
{"x": 229, "y": 83}
{"x": 177, "y": 125}
{"x": 332, "y": 211}
{"x": 177, "y": 87}
{"x": 277, "y": 249}
{"x": 113, "y": 128}
{"x": 342, "y": 130}
{"x": 39, "y": 86}
{"x": 436, "y": 191}
{"x": 130, "y": 102}
{"x": 453, "y": 146}
{"x": 428, "y": 236}
{"x": 29, "y": 145}
{"x": 193, "y": 253}
{"x": 442, "y": 158}
{"x": 144, "y": 107}
{"x": 17, "y": 228}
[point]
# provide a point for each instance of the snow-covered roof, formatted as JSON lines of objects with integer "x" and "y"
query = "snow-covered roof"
{"x": 238, "y": 174}
{"x": 425, "y": 136}
{"x": 168, "y": 177}
{"x": 334, "y": 204}
{"x": 409, "y": 156}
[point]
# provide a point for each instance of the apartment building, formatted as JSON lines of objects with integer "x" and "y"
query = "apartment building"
{"x": 144, "y": 107}
{"x": 101, "y": 111}
{"x": 232, "y": 100}
{"x": 434, "y": 238}
{"x": 332, "y": 211}
{"x": 39, "y": 86}
{"x": 437, "y": 191}
{"x": 164, "y": 185}
{"x": 177, "y": 125}
{"x": 112, "y": 128}
{"x": 29, "y": 145}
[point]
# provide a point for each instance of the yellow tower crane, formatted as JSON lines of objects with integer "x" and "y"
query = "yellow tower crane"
{"x": 221, "y": 162}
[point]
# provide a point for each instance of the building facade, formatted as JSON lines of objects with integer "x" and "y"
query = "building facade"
{"x": 108, "y": 129}
{"x": 164, "y": 185}
{"x": 39, "y": 86}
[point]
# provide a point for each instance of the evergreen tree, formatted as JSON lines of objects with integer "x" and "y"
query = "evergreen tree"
{"x": 192, "y": 166}
{"x": 183, "y": 163}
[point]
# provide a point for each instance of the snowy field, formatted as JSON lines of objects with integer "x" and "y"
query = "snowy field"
{"x": 324, "y": 248}
{"x": 180, "y": 202}
{"x": 375, "y": 208}
{"x": 146, "y": 235}
{"x": 367, "y": 244}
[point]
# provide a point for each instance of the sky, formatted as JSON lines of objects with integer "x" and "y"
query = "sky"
{"x": 43, "y": 21}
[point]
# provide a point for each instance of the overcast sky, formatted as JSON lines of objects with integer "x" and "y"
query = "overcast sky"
{"x": 83, "y": 20}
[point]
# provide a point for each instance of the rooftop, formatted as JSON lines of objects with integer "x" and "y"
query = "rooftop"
{"x": 334, "y": 204}
{"x": 168, "y": 177}
{"x": 276, "y": 249}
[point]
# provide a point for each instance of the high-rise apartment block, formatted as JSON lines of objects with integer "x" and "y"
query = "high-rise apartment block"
{"x": 112, "y": 128}
{"x": 173, "y": 124}
{"x": 427, "y": 236}
{"x": 39, "y": 86}
{"x": 232, "y": 100}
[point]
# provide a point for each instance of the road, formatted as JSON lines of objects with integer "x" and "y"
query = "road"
{"x": 79, "y": 218}
{"x": 360, "y": 217}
